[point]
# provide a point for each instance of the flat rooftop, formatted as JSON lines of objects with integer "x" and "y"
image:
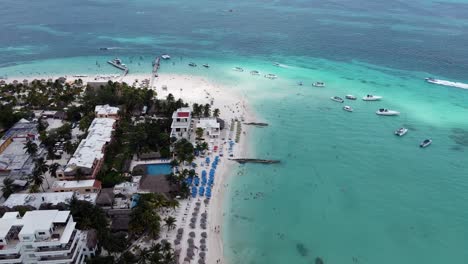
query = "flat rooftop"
{"x": 91, "y": 148}
{"x": 76, "y": 184}
{"x": 106, "y": 110}
{"x": 184, "y": 112}
{"x": 36, "y": 199}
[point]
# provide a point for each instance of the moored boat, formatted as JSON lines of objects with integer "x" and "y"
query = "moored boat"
{"x": 165, "y": 57}
{"x": 318, "y": 84}
{"x": 350, "y": 97}
{"x": 192, "y": 64}
{"x": 347, "y": 108}
{"x": 387, "y": 112}
{"x": 337, "y": 99}
{"x": 206, "y": 65}
{"x": 371, "y": 97}
{"x": 118, "y": 64}
{"x": 271, "y": 76}
{"x": 425, "y": 143}
{"x": 239, "y": 69}
{"x": 401, "y": 131}
{"x": 255, "y": 73}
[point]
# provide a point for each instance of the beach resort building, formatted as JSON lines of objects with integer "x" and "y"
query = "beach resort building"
{"x": 81, "y": 187}
{"x": 210, "y": 126}
{"x": 181, "y": 123}
{"x": 14, "y": 161}
{"x": 89, "y": 156}
{"x": 44, "y": 236}
{"x": 106, "y": 111}
{"x": 35, "y": 200}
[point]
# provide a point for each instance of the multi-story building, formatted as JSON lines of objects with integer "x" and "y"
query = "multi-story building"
{"x": 181, "y": 123}
{"x": 210, "y": 126}
{"x": 44, "y": 236}
{"x": 89, "y": 156}
{"x": 81, "y": 187}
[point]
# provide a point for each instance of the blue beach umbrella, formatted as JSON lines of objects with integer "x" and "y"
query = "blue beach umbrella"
{"x": 203, "y": 173}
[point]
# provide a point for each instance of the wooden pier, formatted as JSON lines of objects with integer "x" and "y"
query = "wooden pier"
{"x": 154, "y": 73}
{"x": 262, "y": 161}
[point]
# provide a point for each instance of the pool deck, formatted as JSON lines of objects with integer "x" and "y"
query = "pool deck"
{"x": 147, "y": 162}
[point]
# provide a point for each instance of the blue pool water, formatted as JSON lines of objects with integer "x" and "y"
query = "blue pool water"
{"x": 158, "y": 169}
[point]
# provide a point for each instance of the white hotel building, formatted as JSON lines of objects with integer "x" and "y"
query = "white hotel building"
{"x": 45, "y": 236}
{"x": 181, "y": 123}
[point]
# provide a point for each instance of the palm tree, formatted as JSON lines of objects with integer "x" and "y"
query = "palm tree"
{"x": 34, "y": 188}
{"x": 199, "y": 132}
{"x": 42, "y": 168}
{"x": 7, "y": 188}
{"x": 31, "y": 148}
{"x": 216, "y": 112}
{"x": 53, "y": 169}
{"x": 37, "y": 178}
{"x": 206, "y": 110}
{"x": 169, "y": 222}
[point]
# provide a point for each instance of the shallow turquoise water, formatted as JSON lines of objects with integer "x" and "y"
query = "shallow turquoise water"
{"x": 158, "y": 169}
{"x": 347, "y": 190}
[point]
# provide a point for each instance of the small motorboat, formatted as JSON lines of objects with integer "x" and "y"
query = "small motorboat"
{"x": 255, "y": 73}
{"x": 318, "y": 84}
{"x": 165, "y": 57}
{"x": 386, "y": 112}
{"x": 350, "y": 97}
{"x": 192, "y": 64}
{"x": 347, "y": 108}
{"x": 371, "y": 97}
{"x": 300, "y": 83}
{"x": 276, "y": 64}
{"x": 206, "y": 65}
{"x": 337, "y": 99}
{"x": 401, "y": 131}
{"x": 271, "y": 76}
{"x": 104, "y": 48}
{"x": 425, "y": 143}
{"x": 239, "y": 69}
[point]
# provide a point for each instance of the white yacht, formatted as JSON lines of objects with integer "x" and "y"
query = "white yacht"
{"x": 371, "y": 97}
{"x": 271, "y": 76}
{"x": 425, "y": 143}
{"x": 386, "y": 112}
{"x": 239, "y": 69}
{"x": 350, "y": 97}
{"x": 347, "y": 108}
{"x": 318, "y": 84}
{"x": 165, "y": 57}
{"x": 337, "y": 99}
{"x": 401, "y": 131}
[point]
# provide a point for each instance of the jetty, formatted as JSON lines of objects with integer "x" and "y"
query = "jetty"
{"x": 261, "y": 161}
{"x": 154, "y": 72}
{"x": 256, "y": 124}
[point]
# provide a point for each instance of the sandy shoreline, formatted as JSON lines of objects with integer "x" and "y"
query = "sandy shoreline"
{"x": 195, "y": 89}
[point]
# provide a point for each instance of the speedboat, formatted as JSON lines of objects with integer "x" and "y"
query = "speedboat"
{"x": 401, "y": 131}
{"x": 255, "y": 72}
{"x": 431, "y": 80}
{"x": 192, "y": 64}
{"x": 276, "y": 64}
{"x": 104, "y": 48}
{"x": 350, "y": 97}
{"x": 239, "y": 69}
{"x": 347, "y": 108}
{"x": 318, "y": 84}
{"x": 386, "y": 112}
{"x": 371, "y": 97}
{"x": 206, "y": 65}
{"x": 337, "y": 99}
{"x": 425, "y": 143}
{"x": 165, "y": 57}
{"x": 271, "y": 76}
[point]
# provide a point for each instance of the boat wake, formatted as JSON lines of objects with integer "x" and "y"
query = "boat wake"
{"x": 447, "y": 83}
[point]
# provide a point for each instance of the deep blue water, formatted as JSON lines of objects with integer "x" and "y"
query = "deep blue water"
{"x": 347, "y": 191}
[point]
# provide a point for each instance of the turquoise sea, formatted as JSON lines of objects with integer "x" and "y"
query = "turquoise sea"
{"x": 347, "y": 190}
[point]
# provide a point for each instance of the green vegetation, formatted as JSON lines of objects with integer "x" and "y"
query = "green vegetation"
{"x": 7, "y": 187}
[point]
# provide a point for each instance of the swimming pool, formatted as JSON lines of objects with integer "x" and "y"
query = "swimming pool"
{"x": 158, "y": 169}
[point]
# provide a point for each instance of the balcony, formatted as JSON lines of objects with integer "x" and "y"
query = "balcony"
{"x": 59, "y": 248}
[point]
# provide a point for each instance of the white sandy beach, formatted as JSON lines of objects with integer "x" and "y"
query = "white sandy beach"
{"x": 195, "y": 89}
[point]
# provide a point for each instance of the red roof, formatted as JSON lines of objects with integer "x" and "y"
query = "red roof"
{"x": 97, "y": 184}
{"x": 183, "y": 114}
